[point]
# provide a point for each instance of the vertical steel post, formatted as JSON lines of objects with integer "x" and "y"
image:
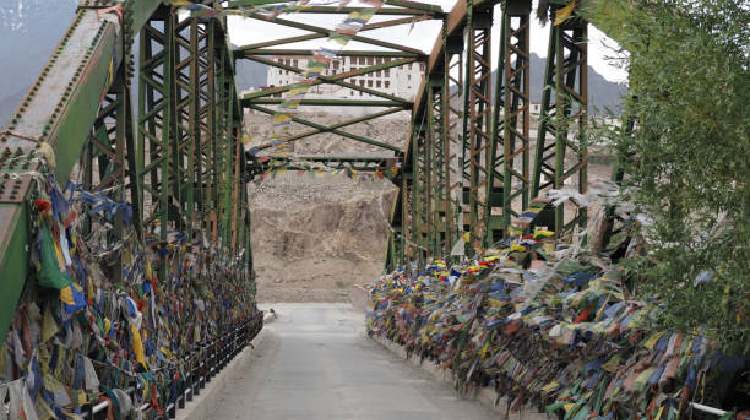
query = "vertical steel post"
{"x": 455, "y": 144}
{"x": 156, "y": 136}
{"x": 477, "y": 119}
{"x": 567, "y": 76}
{"x": 517, "y": 106}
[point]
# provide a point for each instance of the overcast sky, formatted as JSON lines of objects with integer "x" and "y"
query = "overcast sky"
{"x": 421, "y": 35}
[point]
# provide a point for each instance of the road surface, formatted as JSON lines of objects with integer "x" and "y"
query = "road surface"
{"x": 315, "y": 363}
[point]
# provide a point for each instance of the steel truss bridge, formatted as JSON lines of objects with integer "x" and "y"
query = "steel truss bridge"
{"x": 174, "y": 153}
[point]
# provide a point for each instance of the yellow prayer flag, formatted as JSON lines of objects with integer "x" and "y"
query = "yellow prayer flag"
{"x": 299, "y": 90}
{"x": 550, "y": 386}
{"x": 66, "y": 295}
{"x": 60, "y": 258}
{"x": 651, "y": 342}
{"x": 517, "y": 247}
{"x": 135, "y": 336}
{"x": 564, "y": 13}
{"x": 659, "y": 413}
{"x": 543, "y": 234}
{"x": 49, "y": 327}
{"x": 281, "y": 117}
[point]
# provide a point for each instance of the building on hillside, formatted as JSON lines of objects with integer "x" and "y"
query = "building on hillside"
{"x": 535, "y": 109}
{"x": 402, "y": 81}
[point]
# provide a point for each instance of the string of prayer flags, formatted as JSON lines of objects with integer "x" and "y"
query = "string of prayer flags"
{"x": 558, "y": 331}
{"x": 316, "y": 66}
{"x": 78, "y": 335}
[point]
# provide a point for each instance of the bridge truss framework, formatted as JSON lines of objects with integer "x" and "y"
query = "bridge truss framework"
{"x": 178, "y": 161}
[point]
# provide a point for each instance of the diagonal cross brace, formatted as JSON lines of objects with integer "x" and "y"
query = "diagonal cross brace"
{"x": 335, "y": 128}
{"x": 335, "y": 80}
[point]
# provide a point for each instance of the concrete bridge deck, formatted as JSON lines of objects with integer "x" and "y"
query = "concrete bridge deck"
{"x": 315, "y": 363}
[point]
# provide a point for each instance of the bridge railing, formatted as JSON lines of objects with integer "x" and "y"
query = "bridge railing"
{"x": 205, "y": 361}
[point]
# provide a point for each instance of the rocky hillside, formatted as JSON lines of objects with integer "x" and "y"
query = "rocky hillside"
{"x": 314, "y": 238}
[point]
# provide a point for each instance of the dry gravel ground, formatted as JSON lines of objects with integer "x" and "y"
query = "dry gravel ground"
{"x": 315, "y": 363}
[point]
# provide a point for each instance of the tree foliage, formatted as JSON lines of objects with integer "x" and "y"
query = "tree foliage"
{"x": 687, "y": 162}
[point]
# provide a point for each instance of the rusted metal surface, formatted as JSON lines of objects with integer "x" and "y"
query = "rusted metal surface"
{"x": 11, "y": 187}
{"x": 39, "y": 114}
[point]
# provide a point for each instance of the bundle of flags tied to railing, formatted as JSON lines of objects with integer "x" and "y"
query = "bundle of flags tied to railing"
{"x": 549, "y": 329}
{"x": 100, "y": 316}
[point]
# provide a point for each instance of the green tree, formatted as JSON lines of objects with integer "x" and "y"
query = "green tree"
{"x": 688, "y": 161}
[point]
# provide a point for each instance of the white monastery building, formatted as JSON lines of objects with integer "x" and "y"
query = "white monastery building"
{"x": 402, "y": 81}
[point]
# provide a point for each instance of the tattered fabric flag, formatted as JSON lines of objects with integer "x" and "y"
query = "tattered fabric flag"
{"x": 298, "y": 89}
{"x": 72, "y": 298}
{"x": 340, "y": 38}
{"x": 50, "y": 274}
{"x": 564, "y": 13}
{"x": 281, "y": 118}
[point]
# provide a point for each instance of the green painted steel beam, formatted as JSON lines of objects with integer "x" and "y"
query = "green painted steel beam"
{"x": 402, "y": 7}
{"x": 323, "y": 128}
{"x": 14, "y": 259}
{"x": 331, "y": 128}
{"x": 277, "y": 42}
{"x": 359, "y": 163}
{"x": 59, "y": 109}
{"x": 349, "y": 53}
{"x": 329, "y": 32}
{"x": 415, "y": 5}
{"x": 327, "y": 102}
{"x": 309, "y": 37}
{"x": 565, "y": 89}
{"x": 335, "y": 80}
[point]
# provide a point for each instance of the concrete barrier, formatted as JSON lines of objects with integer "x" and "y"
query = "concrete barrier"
{"x": 485, "y": 396}
{"x": 360, "y": 298}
